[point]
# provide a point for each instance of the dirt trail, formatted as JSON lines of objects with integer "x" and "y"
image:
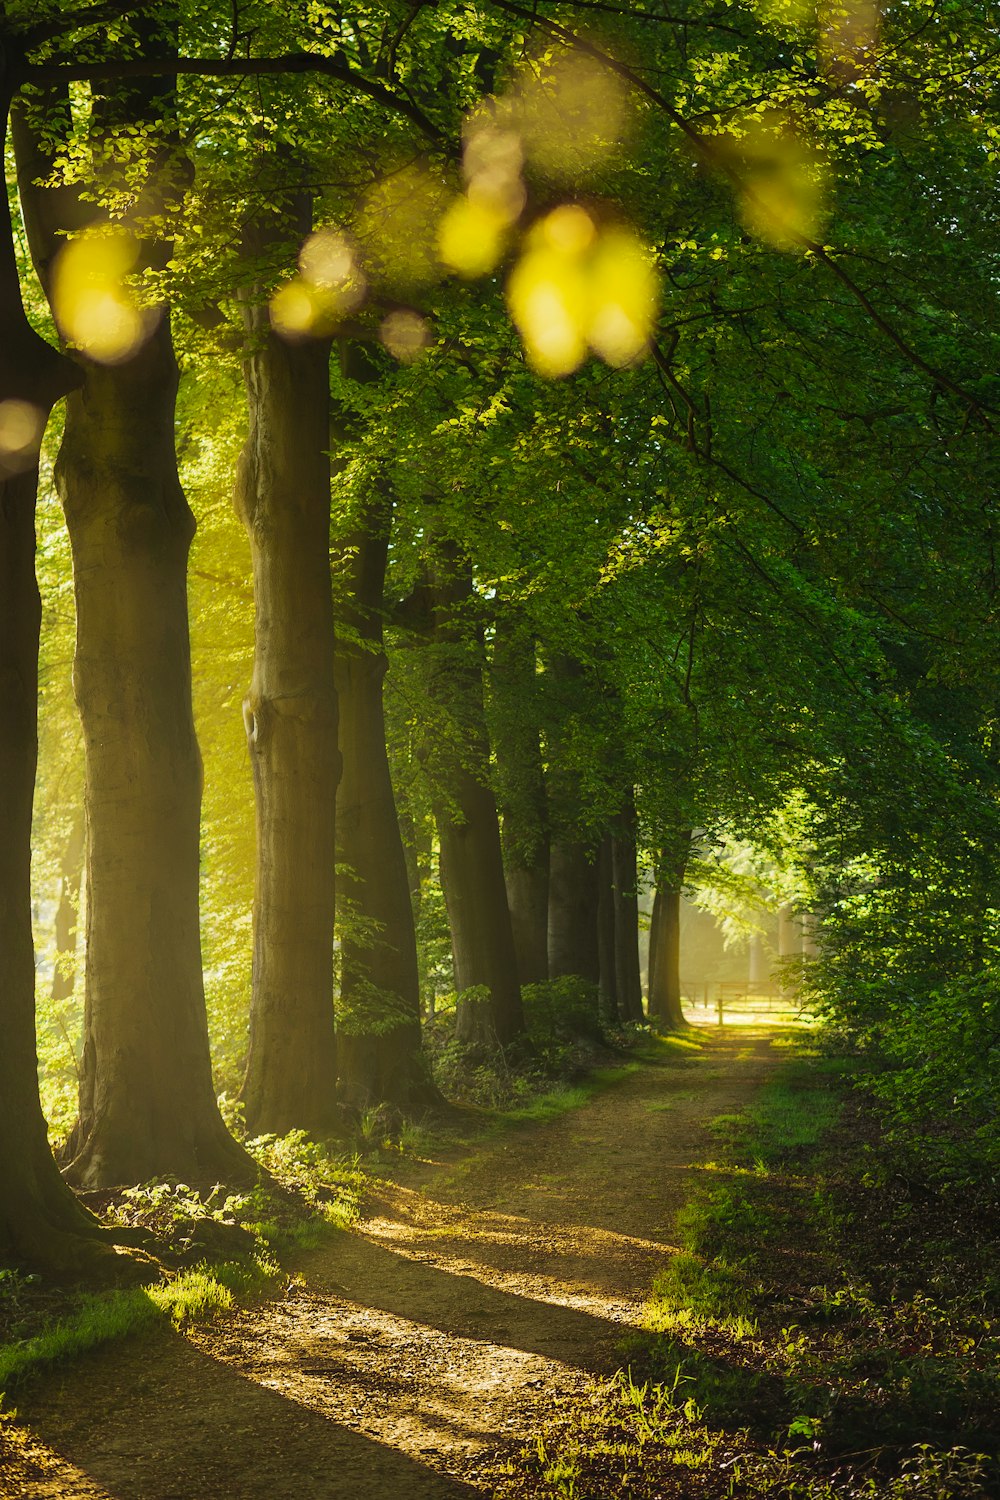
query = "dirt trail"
{"x": 469, "y": 1302}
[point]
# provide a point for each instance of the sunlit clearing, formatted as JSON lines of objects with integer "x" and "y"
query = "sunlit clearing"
{"x": 405, "y": 334}
{"x": 572, "y": 112}
{"x": 397, "y": 227}
{"x": 329, "y": 286}
{"x": 578, "y": 287}
{"x": 783, "y": 193}
{"x": 848, "y": 31}
{"x": 21, "y": 428}
{"x": 94, "y": 308}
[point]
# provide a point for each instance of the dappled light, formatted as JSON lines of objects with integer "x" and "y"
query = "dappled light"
{"x": 573, "y": 113}
{"x": 578, "y": 285}
{"x": 405, "y": 334}
{"x": 330, "y": 284}
{"x": 396, "y": 228}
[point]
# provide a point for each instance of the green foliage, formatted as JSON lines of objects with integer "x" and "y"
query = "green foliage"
{"x": 810, "y": 1350}
{"x": 104, "y": 1317}
{"x": 561, "y": 1011}
{"x": 331, "y": 1185}
{"x": 810, "y": 1340}
{"x": 909, "y": 973}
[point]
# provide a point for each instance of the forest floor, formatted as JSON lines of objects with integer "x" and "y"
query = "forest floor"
{"x": 416, "y": 1355}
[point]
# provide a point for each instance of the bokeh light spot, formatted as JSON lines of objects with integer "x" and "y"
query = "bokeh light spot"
{"x": 406, "y": 334}
{"x": 95, "y": 310}
{"x": 21, "y": 427}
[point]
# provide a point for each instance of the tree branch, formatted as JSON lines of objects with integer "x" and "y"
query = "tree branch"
{"x": 79, "y": 20}
{"x": 709, "y": 153}
{"x": 235, "y": 67}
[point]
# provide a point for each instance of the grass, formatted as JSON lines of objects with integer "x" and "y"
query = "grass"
{"x": 215, "y": 1247}
{"x": 564, "y": 1098}
{"x": 104, "y": 1317}
{"x": 811, "y": 1340}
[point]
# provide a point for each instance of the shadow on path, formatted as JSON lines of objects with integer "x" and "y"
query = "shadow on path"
{"x": 442, "y": 1333}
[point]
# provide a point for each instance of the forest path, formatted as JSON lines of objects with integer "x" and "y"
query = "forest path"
{"x": 479, "y": 1291}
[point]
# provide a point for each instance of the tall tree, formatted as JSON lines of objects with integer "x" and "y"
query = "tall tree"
{"x": 290, "y": 713}
{"x": 379, "y": 1021}
{"x": 472, "y": 873}
{"x": 147, "y": 1101}
{"x": 520, "y": 778}
{"x": 41, "y": 1222}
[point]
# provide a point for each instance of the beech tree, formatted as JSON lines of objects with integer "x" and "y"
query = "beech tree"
{"x": 472, "y": 874}
{"x": 290, "y": 714}
{"x": 40, "y": 1220}
{"x": 515, "y": 726}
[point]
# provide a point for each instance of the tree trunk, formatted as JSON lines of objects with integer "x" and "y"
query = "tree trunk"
{"x": 665, "y": 1007}
{"x": 411, "y": 856}
{"x": 608, "y": 997}
{"x": 468, "y": 827}
{"x": 68, "y": 912}
{"x": 147, "y": 1105}
{"x": 290, "y": 712}
{"x": 573, "y": 912}
{"x": 379, "y": 1026}
{"x": 521, "y": 794}
{"x": 147, "y": 1101}
{"x": 626, "y": 897}
{"x": 41, "y": 1222}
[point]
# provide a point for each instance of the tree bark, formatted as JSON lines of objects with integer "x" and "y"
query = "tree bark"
{"x": 290, "y": 713}
{"x": 466, "y": 813}
{"x": 665, "y": 1007}
{"x": 379, "y": 1027}
{"x": 68, "y": 912}
{"x": 41, "y": 1223}
{"x": 521, "y": 794}
{"x": 574, "y": 900}
{"x": 147, "y": 1101}
{"x": 626, "y": 898}
{"x": 608, "y": 997}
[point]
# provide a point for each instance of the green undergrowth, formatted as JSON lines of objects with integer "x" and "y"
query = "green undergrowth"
{"x": 102, "y": 1317}
{"x": 824, "y": 1331}
{"x": 212, "y": 1246}
{"x": 567, "y": 1043}
{"x": 504, "y": 1092}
